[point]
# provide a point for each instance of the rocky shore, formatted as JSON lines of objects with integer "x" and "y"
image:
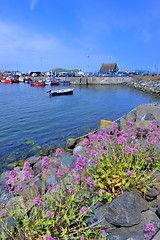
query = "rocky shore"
{"x": 127, "y": 216}
{"x": 151, "y": 86}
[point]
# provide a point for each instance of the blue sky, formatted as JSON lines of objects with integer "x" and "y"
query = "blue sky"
{"x": 43, "y": 34}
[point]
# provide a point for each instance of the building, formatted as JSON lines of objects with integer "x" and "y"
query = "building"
{"x": 109, "y": 67}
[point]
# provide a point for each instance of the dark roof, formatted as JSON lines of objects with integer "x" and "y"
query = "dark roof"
{"x": 109, "y": 67}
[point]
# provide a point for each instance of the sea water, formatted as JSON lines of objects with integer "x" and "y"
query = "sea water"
{"x": 30, "y": 119}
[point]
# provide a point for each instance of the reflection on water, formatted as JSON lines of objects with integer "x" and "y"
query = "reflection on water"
{"x": 29, "y": 113}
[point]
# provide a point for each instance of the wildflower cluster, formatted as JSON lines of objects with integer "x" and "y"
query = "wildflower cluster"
{"x": 60, "y": 209}
{"x": 151, "y": 231}
{"x": 115, "y": 161}
{"x": 122, "y": 160}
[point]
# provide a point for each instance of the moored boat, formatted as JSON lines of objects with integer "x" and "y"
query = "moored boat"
{"x": 38, "y": 84}
{"x": 54, "y": 82}
{"x": 61, "y": 92}
{"x": 27, "y": 80}
{"x": 6, "y": 80}
{"x": 14, "y": 80}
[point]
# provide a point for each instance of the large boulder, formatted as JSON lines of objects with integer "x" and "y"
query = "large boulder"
{"x": 125, "y": 210}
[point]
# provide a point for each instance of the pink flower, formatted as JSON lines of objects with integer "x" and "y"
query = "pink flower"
{"x": 38, "y": 201}
{"x": 49, "y": 214}
{"x": 77, "y": 177}
{"x": 82, "y": 238}
{"x": 102, "y": 192}
{"x": 46, "y": 163}
{"x": 27, "y": 176}
{"x": 57, "y": 216}
{"x": 39, "y": 174}
{"x": 121, "y": 140}
{"x": 149, "y": 159}
{"x": 13, "y": 174}
{"x": 103, "y": 232}
{"x": 102, "y": 152}
{"x": 149, "y": 227}
{"x": 70, "y": 190}
{"x": 85, "y": 142}
{"x": 60, "y": 173}
{"x": 50, "y": 189}
{"x": 84, "y": 210}
{"x": 93, "y": 153}
{"x": 90, "y": 181}
{"x": 129, "y": 173}
{"x": 20, "y": 188}
{"x": 125, "y": 135}
{"x": 58, "y": 152}
{"x": 75, "y": 153}
{"x": 132, "y": 138}
{"x": 47, "y": 237}
{"x": 27, "y": 166}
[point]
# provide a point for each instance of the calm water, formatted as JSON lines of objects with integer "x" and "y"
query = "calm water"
{"x": 30, "y": 118}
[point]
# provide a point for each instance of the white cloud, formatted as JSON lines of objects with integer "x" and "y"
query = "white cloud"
{"x": 25, "y": 47}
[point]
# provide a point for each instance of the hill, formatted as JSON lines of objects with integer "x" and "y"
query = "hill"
{"x": 62, "y": 70}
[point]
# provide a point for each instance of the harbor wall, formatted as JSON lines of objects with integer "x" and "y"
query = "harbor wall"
{"x": 97, "y": 80}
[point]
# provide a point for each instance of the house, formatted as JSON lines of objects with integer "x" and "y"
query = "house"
{"x": 109, "y": 67}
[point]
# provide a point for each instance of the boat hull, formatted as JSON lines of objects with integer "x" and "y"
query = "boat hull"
{"x": 61, "y": 92}
{"x": 38, "y": 84}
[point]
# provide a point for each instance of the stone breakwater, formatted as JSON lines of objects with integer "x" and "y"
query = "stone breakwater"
{"x": 151, "y": 86}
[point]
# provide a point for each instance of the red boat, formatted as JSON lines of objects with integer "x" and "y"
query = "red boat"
{"x": 27, "y": 80}
{"x": 54, "y": 83}
{"x": 14, "y": 80}
{"x": 38, "y": 84}
{"x": 6, "y": 80}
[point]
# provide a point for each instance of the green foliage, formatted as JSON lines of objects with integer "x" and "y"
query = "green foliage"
{"x": 122, "y": 161}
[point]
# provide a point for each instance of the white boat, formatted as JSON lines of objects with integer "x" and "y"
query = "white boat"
{"x": 61, "y": 92}
{"x": 48, "y": 82}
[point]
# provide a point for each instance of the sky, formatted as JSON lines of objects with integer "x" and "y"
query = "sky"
{"x": 38, "y": 35}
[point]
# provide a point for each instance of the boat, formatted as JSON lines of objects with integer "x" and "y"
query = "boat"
{"x": 6, "y": 80}
{"x": 28, "y": 80}
{"x": 38, "y": 84}
{"x": 54, "y": 82}
{"x": 14, "y": 80}
{"x": 60, "y": 92}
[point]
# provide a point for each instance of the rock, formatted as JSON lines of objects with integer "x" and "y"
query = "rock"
{"x": 143, "y": 123}
{"x": 152, "y": 193}
{"x": 5, "y": 197}
{"x": 12, "y": 165}
{"x": 18, "y": 169}
{"x": 37, "y": 168}
{"x": 36, "y": 188}
{"x": 71, "y": 142}
{"x": 45, "y": 151}
{"x": 68, "y": 160}
{"x": 125, "y": 210}
{"x": 80, "y": 150}
{"x": 136, "y": 232}
{"x": 157, "y": 236}
{"x": 33, "y": 160}
{"x": 148, "y": 112}
{"x": 3, "y": 178}
{"x": 51, "y": 180}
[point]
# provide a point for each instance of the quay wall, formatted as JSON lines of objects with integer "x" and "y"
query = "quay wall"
{"x": 151, "y": 86}
{"x": 97, "y": 80}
